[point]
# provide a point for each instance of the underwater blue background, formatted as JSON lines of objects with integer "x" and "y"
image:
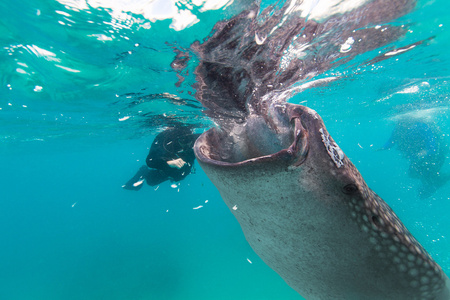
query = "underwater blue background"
{"x": 83, "y": 92}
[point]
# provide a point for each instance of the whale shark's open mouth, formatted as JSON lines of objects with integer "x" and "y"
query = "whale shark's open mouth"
{"x": 276, "y": 135}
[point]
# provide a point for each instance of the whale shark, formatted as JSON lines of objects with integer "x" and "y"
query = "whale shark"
{"x": 307, "y": 212}
{"x": 302, "y": 205}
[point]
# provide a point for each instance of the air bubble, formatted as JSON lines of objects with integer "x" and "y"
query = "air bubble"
{"x": 347, "y": 46}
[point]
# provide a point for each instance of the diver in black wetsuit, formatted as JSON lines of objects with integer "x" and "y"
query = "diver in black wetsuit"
{"x": 171, "y": 157}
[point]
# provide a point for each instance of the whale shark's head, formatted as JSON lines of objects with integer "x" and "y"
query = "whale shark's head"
{"x": 294, "y": 135}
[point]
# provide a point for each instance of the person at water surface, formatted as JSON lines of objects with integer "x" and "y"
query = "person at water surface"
{"x": 171, "y": 157}
{"x": 422, "y": 143}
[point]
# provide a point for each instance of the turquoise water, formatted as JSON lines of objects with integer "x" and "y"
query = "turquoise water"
{"x": 83, "y": 91}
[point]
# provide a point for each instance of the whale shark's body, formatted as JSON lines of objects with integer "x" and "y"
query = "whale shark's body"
{"x": 307, "y": 212}
{"x": 302, "y": 205}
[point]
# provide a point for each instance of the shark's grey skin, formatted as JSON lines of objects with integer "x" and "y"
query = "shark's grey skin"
{"x": 307, "y": 212}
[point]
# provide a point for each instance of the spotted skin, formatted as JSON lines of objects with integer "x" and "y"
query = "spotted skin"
{"x": 308, "y": 213}
{"x": 394, "y": 244}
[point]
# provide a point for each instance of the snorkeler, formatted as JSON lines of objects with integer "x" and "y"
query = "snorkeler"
{"x": 422, "y": 143}
{"x": 171, "y": 157}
